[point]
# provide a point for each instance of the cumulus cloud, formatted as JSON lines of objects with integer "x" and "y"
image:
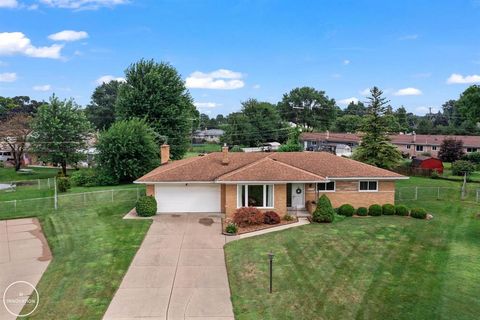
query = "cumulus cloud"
{"x": 8, "y": 77}
{"x": 12, "y": 43}
{"x": 107, "y": 78}
{"x": 42, "y": 87}
{"x": 408, "y": 92}
{"x": 203, "y": 105}
{"x": 8, "y": 3}
{"x": 348, "y": 100}
{"x": 83, "y": 4}
{"x": 68, "y": 35}
{"x": 221, "y": 79}
{"x": 456, "y": 78}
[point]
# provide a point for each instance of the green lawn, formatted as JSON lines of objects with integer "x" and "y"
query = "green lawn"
{"x": 365, "y": 268}
{"x": 9, "y": 174}
{"x": 92, "y": 249}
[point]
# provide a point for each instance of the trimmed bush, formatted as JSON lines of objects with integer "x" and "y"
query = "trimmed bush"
{"x": 388, "y": 209}
{"x": 324, "y": 211}
{"x": 346, "y": 210}
{"x": 461, "y": 167}
{"x": 401, "y": 210}
{"x": 146, "y": 206}
{"x": 63, "y": 184}
{"x": 83, "y": 178}
{"x": 375, "y": 210}
{"x": 288, "y": 217}
{"x": 247, "y": 216}
{"x": 231, "y": 228}
{"x": 418, "y": 213}
{"x": 362, "y": 211}
{"x": 271, "y": 217}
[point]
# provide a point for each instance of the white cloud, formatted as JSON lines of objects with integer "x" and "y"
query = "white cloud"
{"x": 348, "y": 100}
{"x": 456, "y": 78}
{"x": 409, "y": 37}
{"x": 8, "y": 77}
{"x": 108, "y": 78}
{"x": 365, "y": 92}
{"x": 68, "y": 35}
{"x": 408, "y": 92}
{"x": 202, "y": 105}
{"x": 43, "y": 87}
{"x": 83, "y": 4}
{"x": 12, "y": 43}
{"x": 346, "y": 62}
{"x": 8, "y": 3}
{"x": 257, "y": 86}
{"x": 221, "y": 79}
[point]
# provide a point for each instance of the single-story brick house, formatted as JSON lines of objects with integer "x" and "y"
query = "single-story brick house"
{"x": 221, "y": 182}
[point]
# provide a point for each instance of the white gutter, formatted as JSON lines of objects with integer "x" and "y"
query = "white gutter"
{"x": 370, "y": 178}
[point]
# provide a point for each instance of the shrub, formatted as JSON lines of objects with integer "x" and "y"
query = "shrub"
{"x": 434, "y": 174}
{"x": 236, "y": 149}
{"x": 2, "y": 164}
{"x": 146, "y": 206}
{"x": 324, "y": 211}
{"x": 460, "y": 167}
{"x": 290, "y": 148}
{"x": 104, "y": 178}
{"x": 83, "y": 178}
{"x": 63, "y": 184}
{"x": 231, "y": 228}
{"x": 388, "y": 209}
{"x": 472, "y": 157}
{"x": 401, "y": 210}
{"x": 288, "y": 217}
{"x": 418, "y": 213}
{"x": 362, "y": 211}
{"x": 346, "y": 210}
{"x": 271, "y": 217}
{"x": 247, "y": 216}
{"x": 375, "y": 210}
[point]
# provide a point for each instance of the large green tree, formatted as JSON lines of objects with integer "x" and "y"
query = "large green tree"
{"x": 257, "y": 123}
{"x": 60, "y": 131}
{"x": 348, "y": 123}
{"x": 101, "y": 110}
{"x": 127, "y": 150}
{"x": 156, "y": 92}
{"x": 355, "y": 109}
{"x": 308, "y": 107}
{"x": 469, "y": 104}
{"x": 375, "y": 148}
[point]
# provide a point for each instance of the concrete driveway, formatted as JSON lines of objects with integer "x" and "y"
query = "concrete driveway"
{"x": 24, "y": 256}
{"x": 179, "y": 272}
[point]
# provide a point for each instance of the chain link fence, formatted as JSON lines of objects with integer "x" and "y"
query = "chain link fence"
{"x": 34, "y": 184}
{"x": 471, "y": 194}
{"x": 72, "y": 200}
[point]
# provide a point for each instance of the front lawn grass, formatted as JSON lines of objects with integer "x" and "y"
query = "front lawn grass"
{"x": 384, "y": 267}
{"x": 92, "y": 248}
{"x": 9, "y": 174}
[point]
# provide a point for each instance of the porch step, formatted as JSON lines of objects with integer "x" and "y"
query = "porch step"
{"x": 299, "y": 213}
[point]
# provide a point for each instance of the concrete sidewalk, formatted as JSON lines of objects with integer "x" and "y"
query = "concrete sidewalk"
{"x": 24, "y": 256}
{"x": 179, "y": 272}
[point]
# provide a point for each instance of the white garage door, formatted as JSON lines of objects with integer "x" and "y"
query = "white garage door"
{"x": 187, "y": 198}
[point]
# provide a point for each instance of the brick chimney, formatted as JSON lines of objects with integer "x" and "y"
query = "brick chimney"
{"x": 164, "y": 154}
{"x": 328, "y": 134}
{"x": 414, "y": 136}
{"x": 225, "y": 159}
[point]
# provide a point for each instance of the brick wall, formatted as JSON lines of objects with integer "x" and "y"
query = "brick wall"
{"x": 230, "y": 196}
{"x": 150, "y": 190}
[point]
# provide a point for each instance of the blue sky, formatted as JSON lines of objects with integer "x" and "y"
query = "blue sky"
{"x": 421, "y": 53}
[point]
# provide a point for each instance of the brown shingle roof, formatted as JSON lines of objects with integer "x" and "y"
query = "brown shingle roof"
{"x": 288, "y": 166}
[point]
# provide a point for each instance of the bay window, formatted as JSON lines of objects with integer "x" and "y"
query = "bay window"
{"x": 255, "y": 195}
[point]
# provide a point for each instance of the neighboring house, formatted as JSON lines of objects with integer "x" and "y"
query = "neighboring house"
{"x": 223, "y": 182}
{"x": 266, "y": 147}
{"x": 429, "y": 163}
{"x": 208, "y": 135}
{"x": 409, "y": 144}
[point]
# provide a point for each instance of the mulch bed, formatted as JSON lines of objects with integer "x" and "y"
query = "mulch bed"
{"x": 257, "y": 227}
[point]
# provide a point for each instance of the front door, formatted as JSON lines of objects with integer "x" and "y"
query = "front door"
{"x": 298, "y": 195}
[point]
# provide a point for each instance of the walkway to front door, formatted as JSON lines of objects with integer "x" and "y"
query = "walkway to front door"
{"x": 179, "y": 272}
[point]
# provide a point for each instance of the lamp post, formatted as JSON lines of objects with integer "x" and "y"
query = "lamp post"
{"x": 270, "y": 259}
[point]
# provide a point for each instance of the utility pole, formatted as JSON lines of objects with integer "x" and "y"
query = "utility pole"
{"x": 55, "y": 201}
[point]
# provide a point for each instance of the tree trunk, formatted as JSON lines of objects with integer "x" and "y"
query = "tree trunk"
{"x": 64, "y": 168}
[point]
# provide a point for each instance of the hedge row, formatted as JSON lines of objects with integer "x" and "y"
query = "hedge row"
{"x": 348, "y": 210}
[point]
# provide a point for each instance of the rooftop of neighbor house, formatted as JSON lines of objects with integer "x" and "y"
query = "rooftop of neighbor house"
{"x": 421, "y": 139}
{"x": 225, "y": 167}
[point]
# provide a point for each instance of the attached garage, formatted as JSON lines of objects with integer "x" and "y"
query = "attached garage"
{"x": 188, "y": 197}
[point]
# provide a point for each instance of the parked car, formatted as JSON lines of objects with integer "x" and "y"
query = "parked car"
{"x": 6, "y": 156}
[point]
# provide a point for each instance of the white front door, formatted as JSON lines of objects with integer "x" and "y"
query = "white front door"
{"x": 298, "y": 195}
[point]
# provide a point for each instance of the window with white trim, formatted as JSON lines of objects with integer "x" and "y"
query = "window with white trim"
{"x": 434, "y": 148}
{"x": 255, "y": 195}
{"x": 408, "y": 146}
{"x": 326, "y": 186}
{"x": 419, "y": 148}
{"x": 368, "y": 185}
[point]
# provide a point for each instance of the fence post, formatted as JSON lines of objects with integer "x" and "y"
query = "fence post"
{"x": 38, "y": 181}
{"x": 84, "y": 198}
{"x": 112, "y": 195}
{"x": 416, "y": 193}
{"x": 438, "y": 193}
{"x": 48, "y": 183}
{"x": 138, "y": 194}
{"x": 15, "y": 206}
{"x": 55, "y": 200}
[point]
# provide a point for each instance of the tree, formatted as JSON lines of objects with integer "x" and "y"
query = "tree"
{"x": 375, "y": 148}
{"x": 60, "y": 132}
{"x": 451, "y": 150}
{"x": 348, "y": 123}
{"x": 156, "y": 92}
{"x": 18, "y": 104}
{"x": 462, "y": 167}
{"x": 101, "y": 110}
{"x": 14, "y": 131}
{"x": 308, "y": 107}
{"x": 469, "y": 104}
{"x": 127, "y": 150}
{"x": 293, "y": 143}
{"x": 401, "y": 115}
{"x": 355, "y": 109}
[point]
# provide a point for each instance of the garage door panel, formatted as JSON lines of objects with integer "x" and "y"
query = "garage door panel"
{"x": 187, "y": 197}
